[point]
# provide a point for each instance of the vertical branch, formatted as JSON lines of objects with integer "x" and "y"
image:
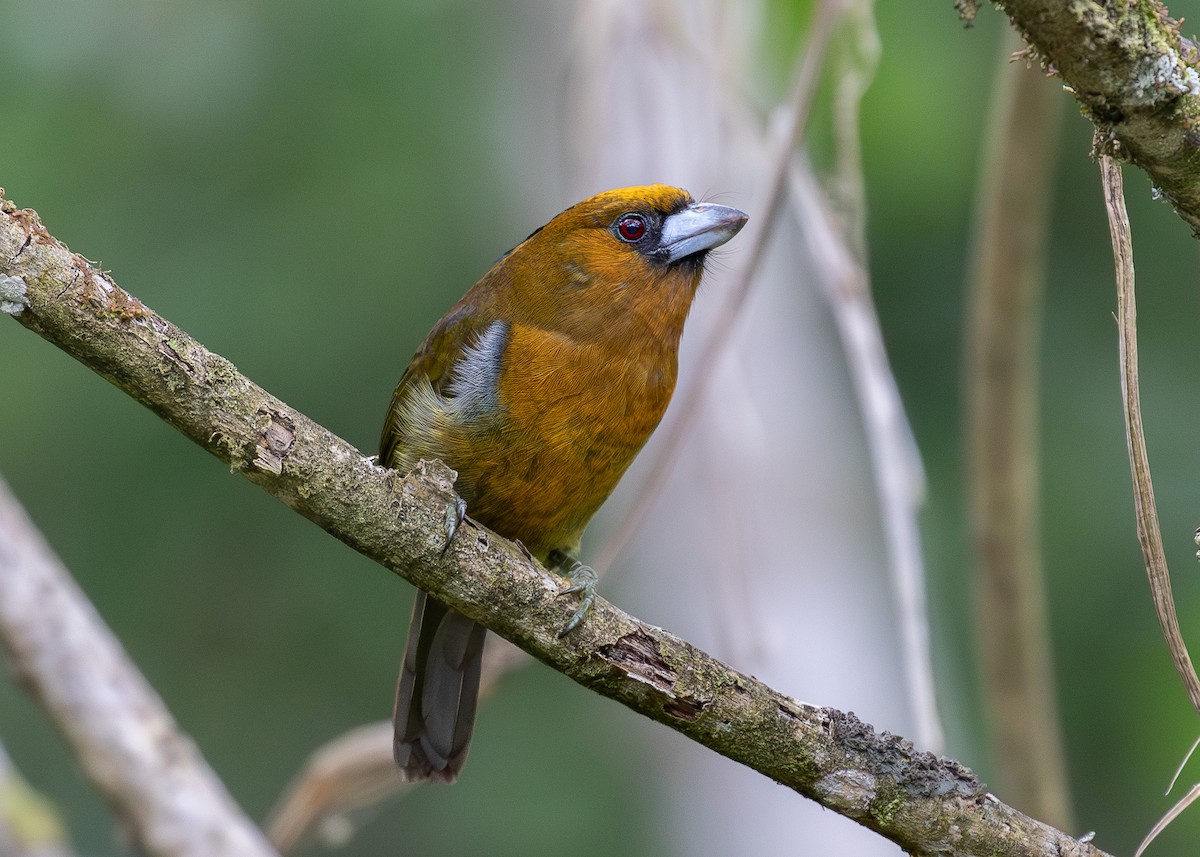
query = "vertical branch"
{"x": 1002, "y": 439}
{"x": 1145, "y": 511}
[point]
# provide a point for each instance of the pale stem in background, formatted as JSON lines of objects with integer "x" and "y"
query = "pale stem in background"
{"x": 172, "y": 804}
{"x": 838, "y": 248}
{"x": 30, "y": 825}
{"x": 896, "y": 466}
{"x": 349, "y": 774}
{"x": 1000, "y": 394}
{"x": 793, "y": 123}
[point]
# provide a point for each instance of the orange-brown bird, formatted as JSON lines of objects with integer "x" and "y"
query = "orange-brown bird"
{"x": 539, "y": 387}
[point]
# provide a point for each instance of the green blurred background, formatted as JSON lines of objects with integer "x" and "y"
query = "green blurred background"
{"x": 306, "y": 186}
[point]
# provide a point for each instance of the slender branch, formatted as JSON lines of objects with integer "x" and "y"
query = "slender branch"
{"x": 927, "y": 805}
{"x": 354, "y": 770}
{"x": 1002, "y": 439}
{"x": 1135, "y": 77}
{"x": 1149, "y": 532}
{"x": 129, "y": 746}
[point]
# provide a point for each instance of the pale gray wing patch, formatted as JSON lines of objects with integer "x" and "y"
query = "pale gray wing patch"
{"x": 430, "y": 422}
{"x": 474, "y": 378}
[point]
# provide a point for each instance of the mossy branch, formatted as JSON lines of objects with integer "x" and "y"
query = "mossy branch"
{"x": 928, "y": 806}
{"x": 1134, "y": 75}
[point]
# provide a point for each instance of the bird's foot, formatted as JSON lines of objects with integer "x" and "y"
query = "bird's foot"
{"x": 456, "y": 513}
{"x": 583, "y": 579}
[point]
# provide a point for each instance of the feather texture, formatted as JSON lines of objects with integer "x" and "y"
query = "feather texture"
{"x": 539, "y": 387}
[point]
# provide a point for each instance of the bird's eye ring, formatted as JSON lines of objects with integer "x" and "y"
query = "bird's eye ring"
{"x": 631, "y": 227}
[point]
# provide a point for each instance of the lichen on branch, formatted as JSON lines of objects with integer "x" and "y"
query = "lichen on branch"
{"x": 1135, "y": 75}
{"x": 927, "y": 805}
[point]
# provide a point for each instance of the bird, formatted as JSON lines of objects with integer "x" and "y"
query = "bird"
{"x": 539, "y": 387}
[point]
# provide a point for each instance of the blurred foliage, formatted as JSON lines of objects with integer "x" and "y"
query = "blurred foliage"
{"x": 306, "y": 186}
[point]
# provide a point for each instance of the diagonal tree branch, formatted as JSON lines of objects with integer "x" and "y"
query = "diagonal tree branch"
{"x": 926, "y": 805}
{"x": 1135, "y": 76}
{"x": 171, "y": 802}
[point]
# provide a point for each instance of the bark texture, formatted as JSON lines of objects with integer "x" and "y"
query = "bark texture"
{"x": 927, "y": 805}
{"x": 1135, "y": 76}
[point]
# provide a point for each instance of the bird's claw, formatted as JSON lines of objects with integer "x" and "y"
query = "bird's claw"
{"x": 456, "y": 513}
{"x": 583, "y": 579}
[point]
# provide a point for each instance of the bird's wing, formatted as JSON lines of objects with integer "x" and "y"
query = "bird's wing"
{"x": 446, "y": 346}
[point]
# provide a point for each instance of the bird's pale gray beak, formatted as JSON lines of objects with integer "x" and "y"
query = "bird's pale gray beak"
{"x": 698, "y": 228}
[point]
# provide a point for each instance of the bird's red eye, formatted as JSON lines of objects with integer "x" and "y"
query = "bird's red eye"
{"x": 631, "y": 227}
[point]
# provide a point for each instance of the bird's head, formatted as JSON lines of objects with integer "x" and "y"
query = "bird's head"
{"x": 623, "y": 262}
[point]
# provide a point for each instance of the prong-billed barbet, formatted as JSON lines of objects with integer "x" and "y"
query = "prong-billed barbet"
{"x": 539, "y": 387}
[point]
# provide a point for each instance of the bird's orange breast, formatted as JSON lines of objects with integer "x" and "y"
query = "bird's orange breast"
{"x": 570, "y": 416}
{"x": 543, "y": 382}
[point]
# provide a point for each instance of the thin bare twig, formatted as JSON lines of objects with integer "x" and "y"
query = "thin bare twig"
{"x": 1182, "y": 764}
{"x": 1193, "y": 794}
{"x": 1148, "y": 531}
{"x": 927, "y": 805}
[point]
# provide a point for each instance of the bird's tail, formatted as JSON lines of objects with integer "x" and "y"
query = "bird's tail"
{"x": 437, "y": 692}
